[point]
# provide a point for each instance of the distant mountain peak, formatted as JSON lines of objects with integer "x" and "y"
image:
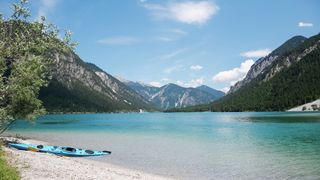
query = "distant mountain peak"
{"x": 174, "y": 96}
{"x": 172, "y": 85}
{"x": 203, "y": 86}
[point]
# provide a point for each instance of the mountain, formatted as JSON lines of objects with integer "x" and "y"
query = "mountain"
{"x": 286, "y": 78}
{"x": 174, "y": 96}
{"x": 77, "y": 86}
{"x": 261, "y": 64}
{"x": 214, "y": 92}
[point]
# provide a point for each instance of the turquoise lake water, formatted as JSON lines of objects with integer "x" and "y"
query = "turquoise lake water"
{"x": 193, "y": 145}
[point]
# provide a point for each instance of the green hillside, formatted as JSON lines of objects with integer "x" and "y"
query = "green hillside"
{"x": 292, "y": 86}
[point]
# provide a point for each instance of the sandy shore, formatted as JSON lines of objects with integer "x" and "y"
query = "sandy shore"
{"x": 33, "y": 165}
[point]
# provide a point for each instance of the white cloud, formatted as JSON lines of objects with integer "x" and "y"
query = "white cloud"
{"x": 235, "y": 81}
{"x": 180, "y": 83}
{"x": 189, "y": 12}
{"x": 256, "y": 53}
{"x": 305, "y": 24}
{"x": 172, "y": 54}
{"x": 195, "y": 82}
{"x": 159, "y": 83}
{"x": 196, "y": 67}
{"x": 46, "y": 6}
{"x": 235, "y": 74}
{"x": 155, "y": 84}
{"x": 192, "y": 83}
{"x": 225, "y": 89}
{"x": 118, "y": 40}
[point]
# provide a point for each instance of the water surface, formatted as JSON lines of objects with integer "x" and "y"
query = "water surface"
{"x": 193, "y": 145}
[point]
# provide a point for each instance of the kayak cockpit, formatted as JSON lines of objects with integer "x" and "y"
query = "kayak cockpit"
{"x": 89, "y": 151}
{"x": 69, "y": 149}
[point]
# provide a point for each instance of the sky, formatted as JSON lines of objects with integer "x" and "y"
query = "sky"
{"x": 187, "y": 42}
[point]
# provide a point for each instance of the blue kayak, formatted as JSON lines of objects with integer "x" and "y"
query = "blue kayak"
{"x": 59, "y": 150}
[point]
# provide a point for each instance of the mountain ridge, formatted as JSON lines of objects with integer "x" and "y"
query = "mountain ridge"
{"x": 172, "y": 95}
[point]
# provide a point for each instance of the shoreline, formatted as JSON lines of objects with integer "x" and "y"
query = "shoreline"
{"x": 34, "y": 165}
{"x": 313, "y": 106}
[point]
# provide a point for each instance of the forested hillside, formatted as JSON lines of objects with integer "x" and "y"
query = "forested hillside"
{"x": 291, "y": 80}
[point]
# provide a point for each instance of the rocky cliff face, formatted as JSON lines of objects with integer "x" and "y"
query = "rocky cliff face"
{"x": 78, "y": 86}
{"x": 262, "y": 64}
{"x": 122, "y": 90}
{"x": 172, "y": 95}
{"x": 68, "y": 69}
{"x": 287, "y": 60}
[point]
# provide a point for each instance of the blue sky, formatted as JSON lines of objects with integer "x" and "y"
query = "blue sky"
{"x": 185, "y": 42}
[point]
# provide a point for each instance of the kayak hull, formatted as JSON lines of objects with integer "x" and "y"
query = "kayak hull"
{"x": 59, "y": 150}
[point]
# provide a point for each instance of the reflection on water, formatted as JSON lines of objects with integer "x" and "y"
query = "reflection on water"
{"x": 284, "y": 118}
{"x": 193, "y": 145}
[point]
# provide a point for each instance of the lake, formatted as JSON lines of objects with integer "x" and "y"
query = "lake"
{"x": 273, "y": 145}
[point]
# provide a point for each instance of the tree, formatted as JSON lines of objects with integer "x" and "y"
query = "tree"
{"x": 27, "y": 49}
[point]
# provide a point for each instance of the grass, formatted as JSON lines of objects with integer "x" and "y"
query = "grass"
{"x": 7, "y": 172}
